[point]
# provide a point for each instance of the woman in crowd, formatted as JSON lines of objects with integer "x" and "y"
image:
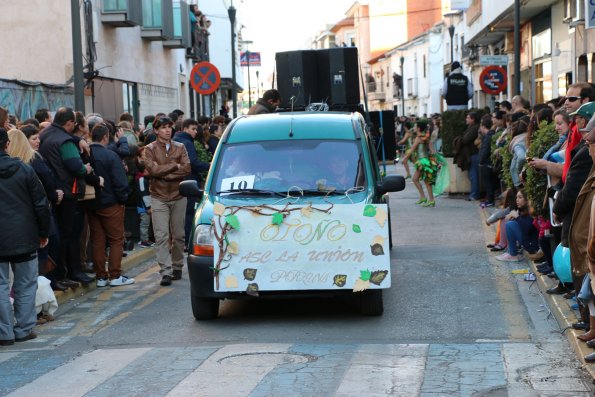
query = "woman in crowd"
{"x": 520, "y": 231}
{"x": 21, "y": 147}
{"x": 426, "y": 167}
{"x": 518, "y": 149}
{"x": 553, "y": 161}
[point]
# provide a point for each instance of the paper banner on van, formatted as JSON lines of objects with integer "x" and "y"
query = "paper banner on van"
{"x": 346, "y": 248}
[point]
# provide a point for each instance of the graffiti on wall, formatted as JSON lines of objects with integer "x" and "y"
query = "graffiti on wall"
{"x": 24, "y": 98}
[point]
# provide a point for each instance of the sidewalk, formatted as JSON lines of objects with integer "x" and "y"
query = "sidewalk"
{"x": 134, "y": 258}
{"x": 558, "y": 306}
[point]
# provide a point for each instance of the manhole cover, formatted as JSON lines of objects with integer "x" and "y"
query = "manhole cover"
{"x": 266, "y": 359}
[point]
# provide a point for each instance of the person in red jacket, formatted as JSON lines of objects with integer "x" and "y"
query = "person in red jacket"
{"x": 577, "y": 95}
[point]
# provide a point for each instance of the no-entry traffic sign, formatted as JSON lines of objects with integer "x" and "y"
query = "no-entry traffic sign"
{"x": 205, "y": 78}
{"x": 493, "y": 80}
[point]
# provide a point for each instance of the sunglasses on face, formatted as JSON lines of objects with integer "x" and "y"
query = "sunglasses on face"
{"x": 573, "y": 98}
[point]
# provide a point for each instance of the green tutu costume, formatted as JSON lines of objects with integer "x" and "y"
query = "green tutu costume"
{"x": 432, "y": 166}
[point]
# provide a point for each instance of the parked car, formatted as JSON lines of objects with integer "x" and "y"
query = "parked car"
{"x": 294, "y": 204}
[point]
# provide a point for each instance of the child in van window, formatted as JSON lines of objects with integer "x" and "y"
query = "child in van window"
{"x": 508, "y": 204}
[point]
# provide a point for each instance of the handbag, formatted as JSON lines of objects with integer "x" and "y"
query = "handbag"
{"x": 89, "y": 193}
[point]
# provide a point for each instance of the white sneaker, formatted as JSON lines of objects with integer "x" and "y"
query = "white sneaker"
{"x": 122, "y": 280}
{"x": 101, "y": 282}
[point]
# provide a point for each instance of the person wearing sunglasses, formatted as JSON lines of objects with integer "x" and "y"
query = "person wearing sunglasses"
{"x": 577, "y": 95}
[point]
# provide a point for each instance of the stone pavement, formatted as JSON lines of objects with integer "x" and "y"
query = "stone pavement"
{"x": 276, "y": 369}
{"x": 558, "y": 306}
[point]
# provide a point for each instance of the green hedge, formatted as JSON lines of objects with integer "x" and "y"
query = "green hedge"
{"x": 453, "y": 125}
{"x": 536, "y": 184}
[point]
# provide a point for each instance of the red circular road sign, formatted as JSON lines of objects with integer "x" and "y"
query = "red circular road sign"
{"x": 493, "y": 80}
{"x": 205, "y": 78}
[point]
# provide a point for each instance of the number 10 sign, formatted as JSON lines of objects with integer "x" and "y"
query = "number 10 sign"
{"x": 238, "y": 183}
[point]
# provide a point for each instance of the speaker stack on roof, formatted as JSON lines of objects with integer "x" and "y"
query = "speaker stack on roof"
{"x": 313, "y": 76}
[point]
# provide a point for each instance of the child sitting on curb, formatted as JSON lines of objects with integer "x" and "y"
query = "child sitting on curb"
{"x": 520, "y": 231}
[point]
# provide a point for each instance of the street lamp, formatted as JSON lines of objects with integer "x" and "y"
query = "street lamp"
{"x": 402, "y": 59}
{"x": 451, "y": 32}
{"x": 231, "y": 11}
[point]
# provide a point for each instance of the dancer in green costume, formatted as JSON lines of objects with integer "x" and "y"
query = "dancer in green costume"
{"x": 426, "y": 163}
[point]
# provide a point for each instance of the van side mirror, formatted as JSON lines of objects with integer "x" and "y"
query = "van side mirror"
{"x": 391, "y": 183}
{"x": 190, "y": 189}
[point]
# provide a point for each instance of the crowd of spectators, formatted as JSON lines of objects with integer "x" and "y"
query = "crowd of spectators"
{"x": 534, "y": 164}
{"x": 92, "y": 169}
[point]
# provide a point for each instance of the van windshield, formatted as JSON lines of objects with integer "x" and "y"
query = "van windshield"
{"x": 277, "y": 166}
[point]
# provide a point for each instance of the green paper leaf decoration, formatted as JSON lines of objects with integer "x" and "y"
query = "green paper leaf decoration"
{"x": 369, "y": 210}
{"x": 277, "y": 218}
{"x": 233, "y": 221}
{"x": 365, "y": 275}
{"x": 356, "y": 228}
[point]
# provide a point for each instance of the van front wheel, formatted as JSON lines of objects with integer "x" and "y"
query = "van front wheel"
{"x": 371, "y": 302}
{"x": 204, "y": 308}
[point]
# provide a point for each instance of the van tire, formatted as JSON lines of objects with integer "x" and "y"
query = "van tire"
{"x": 204, "y": 308}
{"x": 371, "y": 302}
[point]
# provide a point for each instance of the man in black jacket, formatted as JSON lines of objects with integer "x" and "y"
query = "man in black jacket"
{"x": 60, "y": 150}
{"x": 457, "y": 89}
{"x": 106, "y": 212}
{"x": 486, "y": 171}
{"x": 25, "y": 214}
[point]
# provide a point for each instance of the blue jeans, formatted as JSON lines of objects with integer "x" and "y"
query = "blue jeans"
{"x": 515, "y": 238}
{"x": 25, "y": 288}
{"x": 474, "y": 176}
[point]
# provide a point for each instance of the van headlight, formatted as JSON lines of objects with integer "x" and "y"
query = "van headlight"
{"x": 203, "y": 240}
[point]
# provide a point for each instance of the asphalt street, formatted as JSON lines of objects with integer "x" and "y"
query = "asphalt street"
{"x": 455, "y": 323}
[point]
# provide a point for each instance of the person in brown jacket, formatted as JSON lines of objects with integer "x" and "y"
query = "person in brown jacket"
{"x": 582, "y": 243}
{"x": 167, "y": 163}
{"x": 267, "y": 104}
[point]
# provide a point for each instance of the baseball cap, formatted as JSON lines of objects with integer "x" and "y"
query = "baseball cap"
{"x": 590, "y": 125}
{"x": 586, "y": 110}
{"x": 455, "y": 65}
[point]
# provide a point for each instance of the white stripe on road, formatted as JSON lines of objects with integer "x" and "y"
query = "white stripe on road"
{"x": 7, "y": 356}
{"x": 81, "y": 375}
{"x": 233, "y": 370}
{"x": 390, "y": 370}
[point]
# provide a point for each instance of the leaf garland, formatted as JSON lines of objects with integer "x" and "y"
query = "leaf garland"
{"x": 228, "y": 214}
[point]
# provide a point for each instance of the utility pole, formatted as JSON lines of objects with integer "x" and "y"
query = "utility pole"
{"x": 77, "y": 57}
{"x": 234, "y": 93}
{"x": 402, "y": 59}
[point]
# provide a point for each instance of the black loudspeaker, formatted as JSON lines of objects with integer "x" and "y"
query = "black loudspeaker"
{"x": 297, "y": 76}
{"x": 338, "y": 76}
{"x": 388, "y": 136}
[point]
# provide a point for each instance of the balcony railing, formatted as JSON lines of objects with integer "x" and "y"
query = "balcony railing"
{"x": 121, "y": 13}
{"x": 181, "y": 21}
{"x": 158, "y": 21}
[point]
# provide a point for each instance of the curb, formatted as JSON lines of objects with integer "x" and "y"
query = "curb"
{"x": 558, "y": 307}
{"x": 565, "y": 317}
{"x": 134, "y": 258}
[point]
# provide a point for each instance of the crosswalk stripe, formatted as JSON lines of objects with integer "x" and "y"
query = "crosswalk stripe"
{"x": 82, "y": 374}
{"x": 7, "y": 356}
{"x": 385, "y": 370}
{"x": 233, "y": 370}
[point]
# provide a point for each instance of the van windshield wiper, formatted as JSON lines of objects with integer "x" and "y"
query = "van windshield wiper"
{"x": 253, "y": 192}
